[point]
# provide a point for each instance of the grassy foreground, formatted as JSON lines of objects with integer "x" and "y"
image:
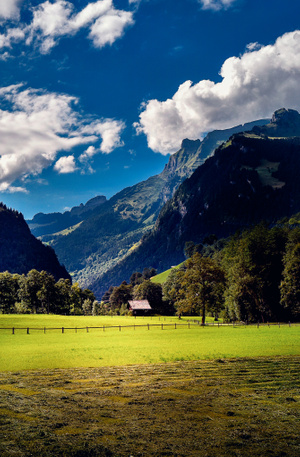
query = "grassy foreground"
{"x": 199, "y": 392}
{"x": 112, "y": 347}
{"x": 220, "y": 408}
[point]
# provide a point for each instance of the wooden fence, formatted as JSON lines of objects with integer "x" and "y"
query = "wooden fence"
{"x": 162, "y": 326}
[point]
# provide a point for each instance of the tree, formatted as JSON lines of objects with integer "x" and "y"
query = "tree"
{"x": 120, "y": 296}
{"x": 172, "y": 286}
{"x": 201, "y": 288}
{"x": 63, "y": 297}
{"x": 8, "y": 292}
{"x": 29, "y": 287}
{"x": 76, "y": 299}
{"x": 152, "y": 292}
{"x": 87, "y": 307}
{"x": 136, "y": 278}
{"x": 290, "y": 285}
{"x": 253, "y": 265}
{"x": 47, "y": 292}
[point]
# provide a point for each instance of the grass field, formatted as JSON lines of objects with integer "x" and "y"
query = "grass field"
{"x": 162, "y": 277}
{"x": 115, "y": 347}
{"x": 201, "y": 392}
{"x": 234, "y": 407}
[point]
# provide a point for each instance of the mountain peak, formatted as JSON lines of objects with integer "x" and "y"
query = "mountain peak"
{"x": 284, "y": 123}
{"x": 285, "y": 116}
{"x": 190, "y": 144}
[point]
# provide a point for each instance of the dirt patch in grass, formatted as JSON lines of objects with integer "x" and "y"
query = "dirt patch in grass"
{"x": 238, "y": 407}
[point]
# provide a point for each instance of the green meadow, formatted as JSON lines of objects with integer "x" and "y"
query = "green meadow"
{"x": 129, "y": 341}
{"x": 125, "y": 389}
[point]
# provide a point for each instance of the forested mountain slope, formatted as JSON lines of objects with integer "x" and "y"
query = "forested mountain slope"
{"x": 20, "y": 251}
{"x": 252, "y": 177}
{"x": 115, "y": 228}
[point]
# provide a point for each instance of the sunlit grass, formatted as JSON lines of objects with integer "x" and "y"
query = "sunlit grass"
{"x": 126, "y": 346}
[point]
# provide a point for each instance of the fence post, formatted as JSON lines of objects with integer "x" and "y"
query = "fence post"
{"x": 13, "y": 330}
{"x": 44, "y": 329}
{"x": 62, "y": 330}
{"x": 148, "y": 326}
{"x": 119, "y": 328}
{"x": 27, "y": 330}
{"x": 162, "y": 326}
{"x": 75, "y": 329}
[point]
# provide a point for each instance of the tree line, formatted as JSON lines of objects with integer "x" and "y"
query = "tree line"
{"x": 253, "y": 276}
{"x": 38, "y": 292}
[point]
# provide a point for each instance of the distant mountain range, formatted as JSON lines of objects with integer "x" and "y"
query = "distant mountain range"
{"x": 253, "y": 176}
{"x": 91, "y": 239}
{"x": 20, "y": 251}
{"x": 228, "y": 181}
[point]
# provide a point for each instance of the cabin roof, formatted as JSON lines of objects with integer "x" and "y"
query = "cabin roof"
{"x": 139, "y": 304}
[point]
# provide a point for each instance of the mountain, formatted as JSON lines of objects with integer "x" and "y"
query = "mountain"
{"x": 97, "y": 240}
{"x": 251, "y": 177}
{"x": 20, "y": 251}
{"x": 46, "y": 224}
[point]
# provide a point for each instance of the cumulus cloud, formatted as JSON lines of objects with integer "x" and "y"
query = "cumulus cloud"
{"x": 216, "y": 5}
{"x": 88, "y": 154}
{"x": 65, "y": 165}
{"x": 53, "y": 20}
{"x": 36, "y": 125}
{"x": 253, "y": 85}
{"x": 9, "y": 9}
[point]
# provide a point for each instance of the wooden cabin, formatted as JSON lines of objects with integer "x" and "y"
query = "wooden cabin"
{"x": 139, "y": 307}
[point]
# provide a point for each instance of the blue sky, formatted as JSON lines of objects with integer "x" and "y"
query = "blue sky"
{"x": 95, "y": 95}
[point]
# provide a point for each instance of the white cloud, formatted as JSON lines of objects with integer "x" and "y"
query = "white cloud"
{"x": 252, "y": 87}
{"x": 108, "y": 28}
{"x": 253, "y": 46}
{"x": 53, "y": 20}
{"x": 88, "y": 154}
{"x": 36, "y": 125}
{"x": 65, "y": 164}
{"x": 9, "y": 9}
{"x": 216, "y": 5}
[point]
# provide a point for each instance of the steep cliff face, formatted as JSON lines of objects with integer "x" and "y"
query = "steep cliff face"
{"x": 20, "y": 251}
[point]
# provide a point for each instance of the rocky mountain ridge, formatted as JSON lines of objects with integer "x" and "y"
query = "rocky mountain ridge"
{"x": 250, "y": 177}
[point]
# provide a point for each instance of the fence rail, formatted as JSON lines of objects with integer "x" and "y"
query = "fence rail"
{"x": 161, "y": 325}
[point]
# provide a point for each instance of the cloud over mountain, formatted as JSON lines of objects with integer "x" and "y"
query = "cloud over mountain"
{"x": 52, "y": 21}
{"x": 36, "y": 125}
{"x": 253, "y": 85}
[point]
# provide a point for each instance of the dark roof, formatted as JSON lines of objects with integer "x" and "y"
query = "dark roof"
{"x": 139, "y": 304}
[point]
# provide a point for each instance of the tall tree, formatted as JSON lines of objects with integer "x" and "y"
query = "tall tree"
{"x": 120, "y": 295}
{"x": 290, "y": 285}
{"x": 152, "y": 292}
{"x": 202, "y": 287}
{"x": 8, "y": 291}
